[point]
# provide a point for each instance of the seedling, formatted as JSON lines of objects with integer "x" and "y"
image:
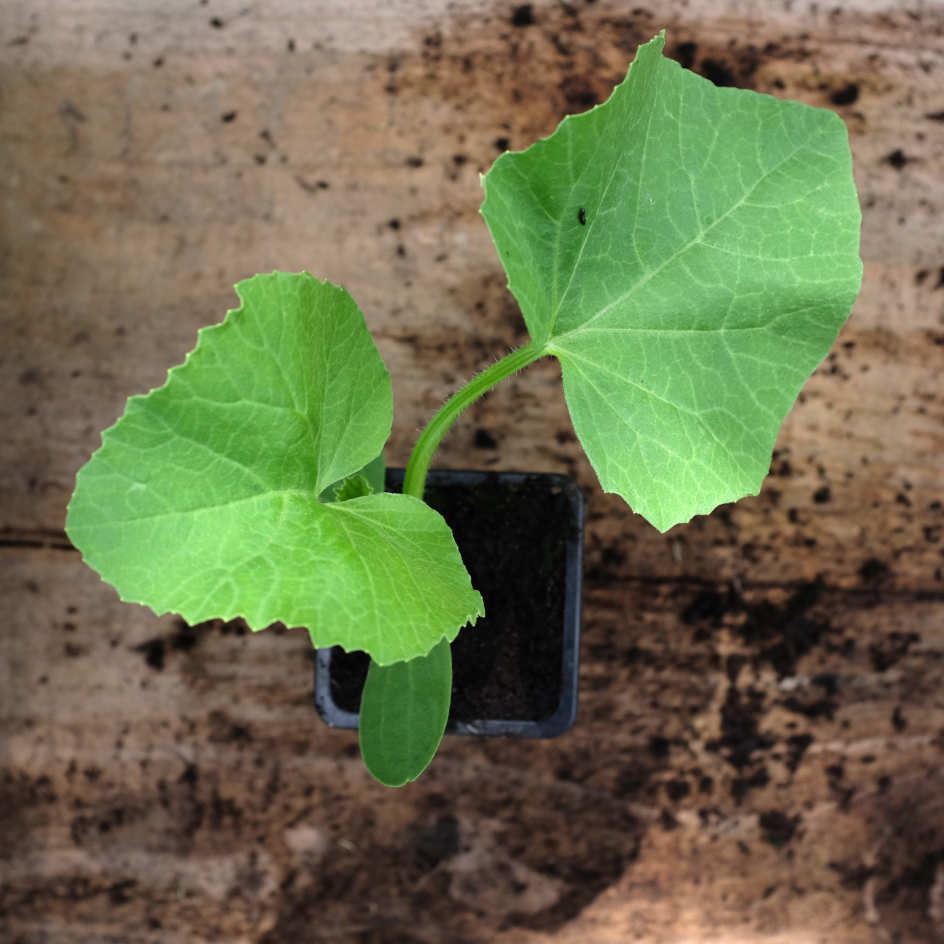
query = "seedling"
{"x": 689, "y": 255}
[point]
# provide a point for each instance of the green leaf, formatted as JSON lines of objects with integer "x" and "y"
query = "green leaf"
{"x": 375, "y": 473}
{"x": 354, "y": 486}
{"x": 366, "y": 481}
{"x": 404, "y": 710}
{"x": 689, "y": 253}
{"x": 202, "y": 499}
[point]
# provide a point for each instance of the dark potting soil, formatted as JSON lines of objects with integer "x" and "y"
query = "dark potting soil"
{"x": 513, "y": 540}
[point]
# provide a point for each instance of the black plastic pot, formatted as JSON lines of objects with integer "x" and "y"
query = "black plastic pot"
{"x": 515, "y": 671}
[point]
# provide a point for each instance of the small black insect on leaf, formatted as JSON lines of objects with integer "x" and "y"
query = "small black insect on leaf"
{"x": 582, "y": 216}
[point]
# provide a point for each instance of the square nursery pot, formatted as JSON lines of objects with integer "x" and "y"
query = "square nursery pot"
{"x": 515, "y": 671}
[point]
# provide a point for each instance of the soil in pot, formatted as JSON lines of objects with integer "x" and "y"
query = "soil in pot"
{"x": 513, "y": 535}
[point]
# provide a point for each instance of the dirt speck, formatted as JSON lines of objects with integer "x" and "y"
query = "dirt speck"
{"x": 522, "y": 15}
{"x": 897, "y": 159}
{"x": 778, "y": 828}
{"x": 846, "y": 95}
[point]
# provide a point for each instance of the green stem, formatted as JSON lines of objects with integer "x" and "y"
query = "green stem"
{"x": 414, "y": 479}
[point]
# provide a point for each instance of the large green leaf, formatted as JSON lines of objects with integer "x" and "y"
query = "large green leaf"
{"x": 202, "y": 499}
{"x": 404, "y": 710}
{"x": 689, "y": 253}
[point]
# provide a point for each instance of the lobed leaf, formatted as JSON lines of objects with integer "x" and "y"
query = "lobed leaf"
{"x": 689, "y": 253}
{"x": 203, "y": 498}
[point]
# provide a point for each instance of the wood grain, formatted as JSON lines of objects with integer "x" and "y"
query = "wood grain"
{"x": 758, "y": 755}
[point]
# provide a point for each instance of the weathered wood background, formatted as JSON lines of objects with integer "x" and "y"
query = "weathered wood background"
{"x": 759, "y": 754}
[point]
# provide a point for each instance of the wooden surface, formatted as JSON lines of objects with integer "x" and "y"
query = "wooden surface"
{"x": 759, "y": 754}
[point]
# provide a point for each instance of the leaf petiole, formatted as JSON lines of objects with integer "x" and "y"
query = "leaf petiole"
{"x": 414, "y": 478}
